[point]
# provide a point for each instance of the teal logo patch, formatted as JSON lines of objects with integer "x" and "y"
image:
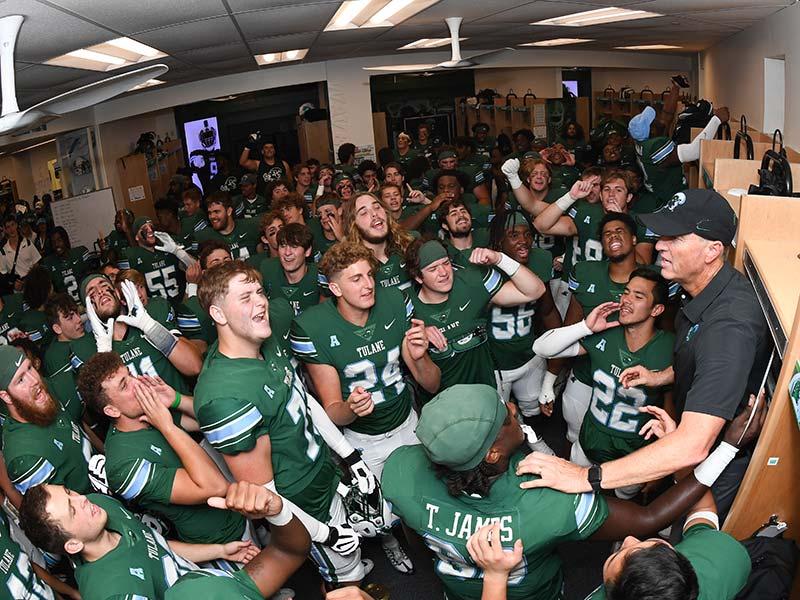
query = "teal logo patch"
{"x": 442, "y": 317}
{"x": 366, "y": 332}
{"x": 692, "y": 330}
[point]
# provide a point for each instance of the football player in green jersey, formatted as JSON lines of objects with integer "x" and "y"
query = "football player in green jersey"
{"x": 41, "y": 443}
{"x": 454, "y": 305}
{"x": 706, "y": 563}
{"x": 512, "y": 330}
{"x": 404, "y": 153}
{"x": 36, "y": 290}
{"x": 120, "y": 237}
{"x": 327, "y": 211}
{"x": 242, "y": 237}
{"x": 391, "y": 195}
{"x": 116, "y": 556}
{"x": 194, "y": 219}
{"x": 354, "y": 349}
{"x": 660, "y": 159}
{"x": 151, "y": 461}
{"x": 67, "y": 264}
{"x": 464, "y": 475}
{"x": 462, "y": 238}
{"x": 484, "y": 143}
{"x": 145, "y": 342}
{"x": 365, "y": 221}
{"x": 159, "y": 258}
{"x": 269, "y": 569}
{"x": 64, "y": 318}
{"x": 252, "y": 407}
{"x": 305, "y": 185}
{"x": 475, "y": 178}
{"x": 611, "y": 427}
{"x": 10, "y": 312}
{"x": 23, "y": 578}
{"x": 194, "y": 323}
{"x": 289, "y": 275}
{"x": 252, "y": 204}
{"x": 268, "y": 227}
{"x": 592, "y": 283}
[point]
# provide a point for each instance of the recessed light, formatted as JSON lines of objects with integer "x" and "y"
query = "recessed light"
{"x": 610, "y": 14}
{"x": 428, "y": 43}
{"x": 114, "y": 54}
{"x": 353, "y": 14}
{"x": 276, "y": 57}
{"x": 649, "y": 47}
{"x": 558, "y": 42}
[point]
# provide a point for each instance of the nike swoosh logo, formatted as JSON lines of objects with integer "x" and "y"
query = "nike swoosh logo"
{"x": 243, "y": 235}
{"x": 389, "y": 324}
{"x": 19, "y": 361}
{"x": 307, "y": 293}
{"x": 465, "y": 306}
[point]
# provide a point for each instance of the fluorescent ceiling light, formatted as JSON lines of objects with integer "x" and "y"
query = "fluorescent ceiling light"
{"x": 114, "y": 54}
{"x": 600, "y": 16}
{"x": 276, "y": 57}
{"x": 400, "y": 68}
{"x": 558, "y": 42}
{"x": 428, "y": 43}
{"x": 147, "y": 84}
{"x": 33, "y": 146}
{"x": 353, "y": 14}
{"x": 649, "y": 47}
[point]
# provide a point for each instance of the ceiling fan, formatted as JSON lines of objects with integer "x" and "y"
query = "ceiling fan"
{"x": 13, "y": 119}
{"x": 456, "y": 60}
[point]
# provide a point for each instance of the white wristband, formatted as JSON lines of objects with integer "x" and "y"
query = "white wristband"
{"x": 549, "y": 380}
{"x": 565, "y": 202}
{"x": 716, "y": 462}
{"x": 507, "y": 265}
{"x": 283, "y": 517}
{"x": 191, "y": 290}
{"x": 702, "y": 514}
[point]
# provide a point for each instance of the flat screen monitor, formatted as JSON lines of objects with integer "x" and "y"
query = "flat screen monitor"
{"x": 202, "y": 137}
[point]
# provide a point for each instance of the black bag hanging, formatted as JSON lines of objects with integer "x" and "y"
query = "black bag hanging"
{"x": 724, "y": 132}
{"x": 775, "y": 173}
{"x": 650, "y": 95}
{"x": 773, "y": 565}
{"x": 742, "y": 136}
{"x": 509, "y": 96}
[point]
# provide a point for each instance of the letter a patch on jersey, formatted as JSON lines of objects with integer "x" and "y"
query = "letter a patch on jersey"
{"x": 590, "y": 289}
{"x": 334, "y": 341}
{"x": 601, "y": 345}
{"x": 587, "y": 220}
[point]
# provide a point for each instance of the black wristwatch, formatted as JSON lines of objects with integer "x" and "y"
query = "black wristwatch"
{"x": 595, "y": 477}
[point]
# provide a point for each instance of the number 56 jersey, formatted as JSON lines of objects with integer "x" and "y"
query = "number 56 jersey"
{"x": 367, "y": 357}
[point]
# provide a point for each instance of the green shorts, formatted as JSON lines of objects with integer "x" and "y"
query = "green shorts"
{"x": 601, "y": 444}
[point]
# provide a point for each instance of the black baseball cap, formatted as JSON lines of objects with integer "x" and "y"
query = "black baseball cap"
{"x": 702, "y": 212}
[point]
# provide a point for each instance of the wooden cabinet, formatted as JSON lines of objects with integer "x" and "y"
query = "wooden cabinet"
{"x": 315, "y": 140}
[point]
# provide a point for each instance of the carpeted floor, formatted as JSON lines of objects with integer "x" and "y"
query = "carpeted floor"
{"x": 582, "y": 561}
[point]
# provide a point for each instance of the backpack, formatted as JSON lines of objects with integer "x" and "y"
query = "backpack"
{"x": 775, "y": 173}
{"x": 693, "y": 115}
{"x": 774, "y": 561}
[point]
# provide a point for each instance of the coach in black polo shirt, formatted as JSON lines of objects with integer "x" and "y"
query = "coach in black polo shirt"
{"x": 721, "y": 351}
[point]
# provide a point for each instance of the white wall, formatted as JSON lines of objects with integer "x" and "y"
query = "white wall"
{"x": 732, "y": 72}
{"x": 545, "y": 82}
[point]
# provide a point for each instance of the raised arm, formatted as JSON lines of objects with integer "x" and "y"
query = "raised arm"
{"x": 415, "y": 355}
{"x": 523, "y": 285}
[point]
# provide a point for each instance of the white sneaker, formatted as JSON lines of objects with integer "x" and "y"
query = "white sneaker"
{"x": 396, "y": 555}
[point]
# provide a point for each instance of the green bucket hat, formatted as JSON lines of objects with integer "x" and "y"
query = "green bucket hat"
{"x": 430, "y": 252}
{"x": 460, "y": 424}
{"x": 446, "y": 154}
{"x": 11, "y": 358}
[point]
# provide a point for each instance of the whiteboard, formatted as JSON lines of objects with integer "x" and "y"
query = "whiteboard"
{"x": 86, "y": 215}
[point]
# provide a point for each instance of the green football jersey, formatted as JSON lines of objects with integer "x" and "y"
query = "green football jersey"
{"x": 460, "y": 258}
{"x": 141, "y": 468}
{"x": 301, "y": 295}
{"x": 367, "y": 357}
{"x": 189, "y": 228}
{"x": 10, "y": 315}
{"x": 661, "y": 181}
{"x": 405, "y": 159}
{"x": 139, "y": 355}
{"x": 611, "y": 427}
{"x": 251, "y": 209}
{"x": 721, "y": 564}
{"x": 213, "y": 584}
{"x": 239, "y": 400}
{"x": 591, "y": 285}
{"x": 554, "y": 244}
{"x": 57, "y": 453}
{"x": 541, "y": 518}
{"x": 243, "y": 240}
{"x": 564, "y": 176}
{"x": 462, "y": 319}
{"x": 194, "y": 322}
{"x": 586, "y": 244}
{"x": 60, "y": 378}
{"x": 116, "y": 241}
{"x": 511, "y": 331}
{"x": 475, "y": 177}
{"x": 66, "y": 272}
{"x": 21, "y": 583}
{"x": 141, "y": 567}
{"x": 34, "y": 324}
{"x": 161, "y": 270}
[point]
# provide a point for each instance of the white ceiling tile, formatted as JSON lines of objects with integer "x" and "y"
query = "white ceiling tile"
{"x": 281, "y": 43}
{"x": 192, "y": 35}
{"x": 298, "y": 18}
